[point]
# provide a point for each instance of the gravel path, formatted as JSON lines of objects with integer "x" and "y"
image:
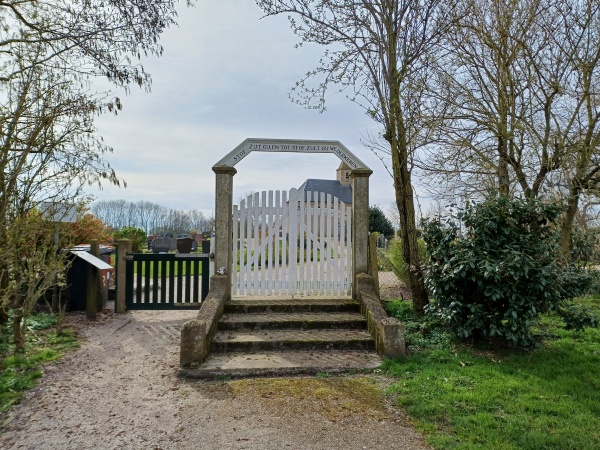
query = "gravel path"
{"x": 120, "y": 391}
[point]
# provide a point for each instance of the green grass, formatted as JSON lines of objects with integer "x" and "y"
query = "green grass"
{"x": 21, "y": 371}
{"x": 488, "y": 398}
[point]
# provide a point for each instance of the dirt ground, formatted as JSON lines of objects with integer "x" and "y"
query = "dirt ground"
{"x": 120, "y": 390}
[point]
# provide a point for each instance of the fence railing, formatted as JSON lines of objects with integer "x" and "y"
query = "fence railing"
{"x": 166, "y": 281}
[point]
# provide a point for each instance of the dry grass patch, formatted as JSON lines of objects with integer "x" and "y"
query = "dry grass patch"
{"x": 335, "y": 398}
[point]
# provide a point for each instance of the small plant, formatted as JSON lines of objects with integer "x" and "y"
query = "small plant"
{"x": 20, "y": 368}
{"x": 426, "y": 331}
{"x": 322, "y": 375}
{"x": 578, "y": 317}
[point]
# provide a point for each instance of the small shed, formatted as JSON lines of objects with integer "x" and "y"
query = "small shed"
{"x": 87, "y": 275}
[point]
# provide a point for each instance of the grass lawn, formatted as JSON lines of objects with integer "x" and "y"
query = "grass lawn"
{"x": 487, "y": 398}
{"x": 20, "y": 372}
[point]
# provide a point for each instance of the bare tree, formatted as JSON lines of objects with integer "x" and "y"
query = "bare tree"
{"x": 520, "y": 80}
{"x": 379, "y": 50}
{"x": 46, "y": 154}
{"x": 48, "y": 147}
{"x": 578, "y": 115}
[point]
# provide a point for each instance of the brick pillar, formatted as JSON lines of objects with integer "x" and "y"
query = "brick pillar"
{"x": 224, "y": 221}
{"x": 360, "y": 224}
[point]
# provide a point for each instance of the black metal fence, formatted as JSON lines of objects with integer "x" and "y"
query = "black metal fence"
{"x": 166, "y": 281}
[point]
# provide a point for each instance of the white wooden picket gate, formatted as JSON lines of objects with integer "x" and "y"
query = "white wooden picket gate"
{"x": 291, "y": 245}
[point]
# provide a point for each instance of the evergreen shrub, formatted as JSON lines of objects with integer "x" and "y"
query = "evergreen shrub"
{"x": 492, "y": 275}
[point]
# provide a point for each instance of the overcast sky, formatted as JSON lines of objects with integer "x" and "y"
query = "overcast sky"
{"x": 224, "y": 77}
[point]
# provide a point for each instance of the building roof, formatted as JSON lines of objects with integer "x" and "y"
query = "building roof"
{"x": 333, "y": 187}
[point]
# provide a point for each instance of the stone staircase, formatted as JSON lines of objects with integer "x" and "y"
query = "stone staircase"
{"x": 275, "y": 337}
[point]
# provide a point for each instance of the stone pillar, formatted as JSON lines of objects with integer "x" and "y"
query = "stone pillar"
{"x": 360, "y": 224}
{"x": 224, "y": 222}
{"x": 124, "y": 246}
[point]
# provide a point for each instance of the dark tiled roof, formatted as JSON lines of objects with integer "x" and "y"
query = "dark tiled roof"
{"x": 333, "y": 187}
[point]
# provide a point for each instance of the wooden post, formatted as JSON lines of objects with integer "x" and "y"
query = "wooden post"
{"x": 124, "y": 247}
{"x": 91, "y": 292}
{"x": 373, "y": 266}
{"x": 100, "y": 297}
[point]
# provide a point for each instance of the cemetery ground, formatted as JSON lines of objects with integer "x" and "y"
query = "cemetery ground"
{"x": 120, "y": 389}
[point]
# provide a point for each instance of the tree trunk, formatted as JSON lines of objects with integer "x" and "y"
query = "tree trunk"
{"x": 18, "y": 335}
{"x": 503, "y": 175}
{"x": 406, "y": 207}
{"x": 566, "y": 228}
{"x": 410, "y": 248}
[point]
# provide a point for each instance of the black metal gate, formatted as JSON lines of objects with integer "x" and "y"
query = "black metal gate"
{"x": 166, "y": 281}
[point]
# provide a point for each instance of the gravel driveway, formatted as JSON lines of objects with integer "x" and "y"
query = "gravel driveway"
{"x": 120, "y": 390}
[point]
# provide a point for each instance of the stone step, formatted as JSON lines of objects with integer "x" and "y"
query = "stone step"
{"x": 297, "y": 320}
{"x": 278, "y": 364}
{"x": 275, "y": 305}
{"x": 263, "y": 340}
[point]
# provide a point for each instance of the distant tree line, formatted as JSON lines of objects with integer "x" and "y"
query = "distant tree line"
{"x": 150, "y": 217}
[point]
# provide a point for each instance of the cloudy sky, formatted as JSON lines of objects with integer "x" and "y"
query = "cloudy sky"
{"x": 224, "y": 77}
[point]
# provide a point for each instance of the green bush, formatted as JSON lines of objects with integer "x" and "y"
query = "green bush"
{"x": 136, "y": 235}
{"x": 578, "y": 317}
{"x": 493, "y": 277}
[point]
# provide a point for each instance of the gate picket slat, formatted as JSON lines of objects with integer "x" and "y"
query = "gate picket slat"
{"x": 171, "y": 282}
{"x": 278, "y": 212}
{"x": 321, "y": 242}
{"x": 284, "y": 243}
{"x": 147, "y": 270}
{"x": 249, "y": 249}
{"x": 263, "y": 242}
{"x": 243, "y": 248}
{"x": 342, "y": 242}
{"x": 328, "y": 240}
{"x": 155, "y": 281}
{"x": 293, "y": 241}
{"x": 138, "y": 292}
{"x": 301, "y": 229}
{"x": 348, "y": 277}
{"x": 309, "y": 242}
{"x": 188, "y": 281}
{"x": 315, "y": 196}
{"x": 236, "y": 253}
{"x": 180, "y": 279}
{"x": 255, "y": 234}
{"x": 163, "y": 282}
{"x": 197, "y": 289}
{"x": 336, "y": 243}
{"x": 270, "y": 242}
